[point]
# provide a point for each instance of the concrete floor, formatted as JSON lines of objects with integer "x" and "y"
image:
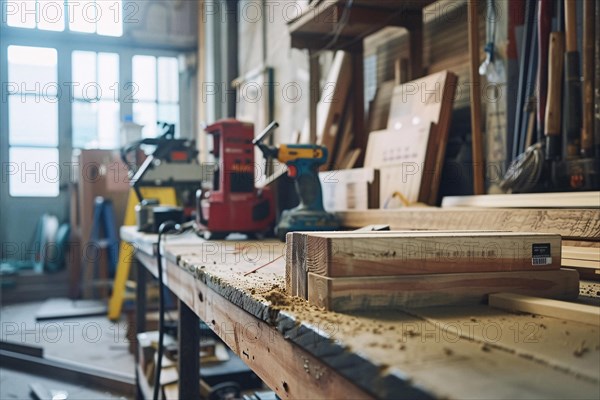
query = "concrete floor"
{"x": 93, "y": 341}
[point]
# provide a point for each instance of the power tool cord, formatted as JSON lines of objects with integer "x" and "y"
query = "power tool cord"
{"x": 165, "y": 227}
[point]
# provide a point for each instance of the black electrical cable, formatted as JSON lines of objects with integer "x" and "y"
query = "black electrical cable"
{"x": 165, "y": 227}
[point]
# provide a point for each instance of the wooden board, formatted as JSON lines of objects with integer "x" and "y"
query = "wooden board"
{"x": 382, "y": 292}
{"x": 581, "y": 253}
{"x": 573, "y": 262}
{"x": 579, "y": 224}
{"x": 427, "y": 252}
{"x": 526, "y": 200}
{"x": 421, "y": 110}
{"x": 379, "y": 109}
{"x": 331, "y": 106}
{"x": 550, "y": 308}
{"x": 400, "y": 157}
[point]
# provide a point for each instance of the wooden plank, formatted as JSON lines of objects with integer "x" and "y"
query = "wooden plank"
{"x": 331, "y": 106}
{"x": 379, "y": 110}
{"x": 528, "y": 336}
{"x": 581, "y": 253}
{"x": 475, "y": 92}
{"x": 573, "y": 262}
{"x": 550, "y": 308}
{"x": 408, "y": 253}
{"x": 526, "y": 200}
{"x": 382, "y": 292}
{"x": 569, "y": 223}
{"x": 421, "y": 111}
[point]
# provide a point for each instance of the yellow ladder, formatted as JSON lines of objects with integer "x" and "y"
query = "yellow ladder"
{"x": 165, "y": 196}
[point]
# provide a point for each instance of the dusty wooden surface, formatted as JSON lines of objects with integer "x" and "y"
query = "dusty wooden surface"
{"x": 577, "y": 224}
{"x": 443, "y": 352}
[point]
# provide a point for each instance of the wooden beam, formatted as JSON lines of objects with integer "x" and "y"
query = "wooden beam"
{"x": 415, "y": 30}
{"x": 579, "y": 224}
{"x": 314, "y": 74}
{"x": 475, "y": 89}
{"x": 409, "y": 253}
{"x": 360, "y": 135}
{"x": 385, "y": 292}
{"x": 526, "y": 200}
{"x": 550, "y": 308}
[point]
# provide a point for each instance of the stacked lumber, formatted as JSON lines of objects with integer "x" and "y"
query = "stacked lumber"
{"x": 348, "y": 271}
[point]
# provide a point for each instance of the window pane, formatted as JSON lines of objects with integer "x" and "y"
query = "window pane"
{"x": 145, "y": 114}
{"x": 84, "y": 75}
{"x": 51, "y": 15}
{"x": 20, "y": 14}
{"x": 108, "y": 125}
{"x": 110, "y": 22}
{"x": 32, "y": 121}
{"x": 35, "y": 172}
{"x": 85, "y": 130}
{"x": 144, "y": 77}
{"x": 32, "y": 69}
{"x": 83, "y": 15}
{"x": 108, "y": 76}
{"x": 168, "y": 80}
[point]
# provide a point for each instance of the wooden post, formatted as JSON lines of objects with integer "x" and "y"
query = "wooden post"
{"x": 314, "y": 93}
{"x": 358, "y": 92}
{"x": 416, "y": 45}
{"x": 477, "y": 149}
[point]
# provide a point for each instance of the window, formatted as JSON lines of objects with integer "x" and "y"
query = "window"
{"x": 155, "y": 92}
{"x": 95, "y": 89}
{"x": 104, "y": 17}
{"x": 32, "y": 92}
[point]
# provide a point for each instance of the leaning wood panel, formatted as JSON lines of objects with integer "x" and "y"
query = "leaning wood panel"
{"x": 549, "y": 308}
{"x": 408, "y": 253}
{"x": 569, "y": 223}
{"x": 383, "y": 292}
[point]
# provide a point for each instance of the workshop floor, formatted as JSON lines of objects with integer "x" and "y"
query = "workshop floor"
{"x": 92, "y": 341}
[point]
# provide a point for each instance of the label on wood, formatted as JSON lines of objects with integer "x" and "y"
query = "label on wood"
{"x": 407, "y": 253}
{"x": 381, "y": 292}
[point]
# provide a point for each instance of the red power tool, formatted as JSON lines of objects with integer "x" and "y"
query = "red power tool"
{"x": 234, "y": 205}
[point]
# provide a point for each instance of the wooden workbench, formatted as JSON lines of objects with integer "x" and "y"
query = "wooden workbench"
{"x": 303, "y": 352}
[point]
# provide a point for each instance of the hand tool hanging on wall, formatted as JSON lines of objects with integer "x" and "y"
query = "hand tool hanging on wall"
{"x": 525, "y": 86}
{"x": 553, "y": 102}
{"x": 597, "y": 82}
{"x": 587, "y": 133}
{"x": 572, "y": 105}
{"x": 529, "y": 100}
{"x": 544, "y": 22}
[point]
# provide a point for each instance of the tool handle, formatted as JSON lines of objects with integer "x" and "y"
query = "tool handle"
{"x": 308, "y": 185}
{"x": 544, "y": 22}
{"x": 571, "y": 25}
{"x": 268, "y": 130}
{"x": 587, "y": 133}
{"x": 555, "y": 71}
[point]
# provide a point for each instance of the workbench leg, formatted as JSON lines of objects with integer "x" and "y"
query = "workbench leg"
{"x": 140, "y": 315}
{"x": 189, "y": 353}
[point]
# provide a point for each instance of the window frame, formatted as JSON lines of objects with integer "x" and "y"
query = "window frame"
{"x": 65, "y": 42}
